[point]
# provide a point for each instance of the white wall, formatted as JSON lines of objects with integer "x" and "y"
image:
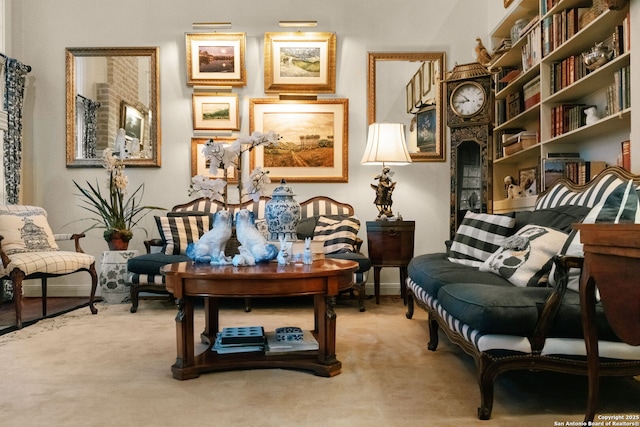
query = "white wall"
{"x": 41, "y": 30}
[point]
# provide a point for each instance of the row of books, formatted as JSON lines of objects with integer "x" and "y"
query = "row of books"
{"x": 531, "y": 49}
{"x": 566, "y": 72}
{"x": 567, "y": 117}
{"x": 571, "y": 167}
{"x": 558, "y": 28}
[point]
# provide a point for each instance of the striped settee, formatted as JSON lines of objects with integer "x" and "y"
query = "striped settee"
{"x": 187, "y": 222}
{"x": 536, "y": 326}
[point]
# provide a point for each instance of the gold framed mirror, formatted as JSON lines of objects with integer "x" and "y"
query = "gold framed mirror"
{"x": 109, "y": 88}
{"x": 406, "y": 87}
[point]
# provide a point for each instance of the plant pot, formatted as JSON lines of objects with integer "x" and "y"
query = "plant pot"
{"x": 118, "y": 240}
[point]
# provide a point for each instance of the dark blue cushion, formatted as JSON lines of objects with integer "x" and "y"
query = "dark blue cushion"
{"x": 151, "y": 263}
{"x": 432, "y": 271}
{"x": 364, "y": 263}
{"x": 494, "y": 309}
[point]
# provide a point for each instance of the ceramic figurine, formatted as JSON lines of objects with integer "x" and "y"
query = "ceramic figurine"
{"x": 591, "y": 114}
{"x": 210, "y": 247}
{"x": 251, "y": 239}
{"x": 307, "y": 256}
{"x": 283, "y": 255}
{"x": 282, "y": 213}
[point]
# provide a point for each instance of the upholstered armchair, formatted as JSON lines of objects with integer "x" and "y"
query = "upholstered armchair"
{"x": 29, "y": 250}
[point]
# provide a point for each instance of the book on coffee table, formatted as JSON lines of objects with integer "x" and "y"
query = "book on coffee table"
{"x": 307, "y": 343}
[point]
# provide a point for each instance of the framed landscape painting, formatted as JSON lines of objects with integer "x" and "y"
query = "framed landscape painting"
{"x": 300, "y": 62}
{"x": 216, "y": 59}
{"x": 201, "y": 166}
{"x": 314, "y": 139}
{"x": 215, "y": 111}
{"x": 132, "y": 121}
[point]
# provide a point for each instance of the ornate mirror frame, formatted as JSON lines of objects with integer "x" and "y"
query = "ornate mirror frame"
{"x": 112, "y": 104}
{"x": 390, "y": 89}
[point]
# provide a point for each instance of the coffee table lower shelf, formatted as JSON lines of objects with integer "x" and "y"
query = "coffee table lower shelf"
{"x": 210, "y": 361}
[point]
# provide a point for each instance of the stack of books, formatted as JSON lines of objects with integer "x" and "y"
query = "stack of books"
{"x": 287, "y": 339}
{"x": 240, "y": 340}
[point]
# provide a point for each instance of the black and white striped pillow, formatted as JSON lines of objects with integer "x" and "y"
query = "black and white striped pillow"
{"x": 337, "y": 235}
{"x": 478, "y": 237}
{"x": 180, "y": 230}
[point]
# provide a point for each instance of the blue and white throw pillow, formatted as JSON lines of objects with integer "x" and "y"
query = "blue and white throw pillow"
{"x": 337, "y": 235}
{"x": 478, "y": 237}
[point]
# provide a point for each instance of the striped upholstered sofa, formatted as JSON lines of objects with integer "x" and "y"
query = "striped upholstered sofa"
{"x": 187, "y": 222}
{"x": 507, "y": 320}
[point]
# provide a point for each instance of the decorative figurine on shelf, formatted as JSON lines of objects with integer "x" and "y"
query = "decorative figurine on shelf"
{"x": 384, "y": 190}
{"x": 591, "y": 114}
{"x": 120, "y": 144}
{"x": 210, "y": 247}
{"x": 251, "y": 239}
{"x": 307, "y": 256}
{"x": 283, "y": 255}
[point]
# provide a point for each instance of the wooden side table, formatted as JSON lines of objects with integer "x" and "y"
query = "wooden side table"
{"x": 390, "y": 245}
{"x": 611, "y": 262}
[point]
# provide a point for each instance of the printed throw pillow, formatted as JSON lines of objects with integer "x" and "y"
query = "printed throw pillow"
{"x": 524, "y": 258}
{"x": 479, "y": 236}
{"x": 337, "y": 235}
{"x": 26, "y": 229}
{"x": 178, "y": 231}
{"x": 620, "y": 206}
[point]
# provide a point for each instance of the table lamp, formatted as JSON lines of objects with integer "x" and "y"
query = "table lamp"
{"x": 386, "y": 146}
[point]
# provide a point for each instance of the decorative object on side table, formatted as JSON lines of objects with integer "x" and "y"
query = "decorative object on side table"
{"x": 385, "y": 146}
{"x": 282, "y": 213}
{"x": 115, "y": 214}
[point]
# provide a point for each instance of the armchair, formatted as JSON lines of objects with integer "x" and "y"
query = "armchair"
{"x": 29, "y": 250}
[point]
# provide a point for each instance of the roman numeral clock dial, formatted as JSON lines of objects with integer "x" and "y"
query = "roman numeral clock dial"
{"x": 467, "y": 99}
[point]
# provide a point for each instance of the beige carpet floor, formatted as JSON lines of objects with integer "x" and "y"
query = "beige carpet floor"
{"x": 114, "y": 369}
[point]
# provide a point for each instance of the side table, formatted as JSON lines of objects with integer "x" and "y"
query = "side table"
{"x": 390, "y": 244}
{"x": 114, "y": 287}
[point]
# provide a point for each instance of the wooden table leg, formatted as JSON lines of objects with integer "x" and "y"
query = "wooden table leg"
{"x": 376, "y": 283}
{"x": 588, "y": 313}
{"x": 185, "y": 342}
{"x": 403, "y": 283}
{"x": 211, "y": 320}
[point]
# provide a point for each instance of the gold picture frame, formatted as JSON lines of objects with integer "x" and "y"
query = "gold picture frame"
{"x": 215, "y": 111}
{"x": 300, "y": 62}
{"x": 314, "y": 139}
{"x": 216, "y": 59}
{"x": 200, "y": 165}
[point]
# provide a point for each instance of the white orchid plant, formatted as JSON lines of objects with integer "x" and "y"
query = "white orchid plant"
{"x": 222, "y": 156}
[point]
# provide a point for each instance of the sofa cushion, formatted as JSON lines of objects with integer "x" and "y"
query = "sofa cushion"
{"x": 151, "y": 263}
{"x": 559, "y": 218}
{"x": 478, "y": 236}
{"x": 364, "y": 263}
{"x": 494, "y": 309}
{"x": 620, "y": 206}
{"x": 177, "y": 231}
{"x": 306, "y": 226}
{"x": 337, "y": 235}
{"x": 432, "y": 271}
{"x": 526, "y": 257}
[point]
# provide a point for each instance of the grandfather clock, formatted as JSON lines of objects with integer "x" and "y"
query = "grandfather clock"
{"x": 469, "y": 116}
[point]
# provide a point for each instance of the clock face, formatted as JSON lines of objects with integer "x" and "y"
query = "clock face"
{"x": 467, "y": 99}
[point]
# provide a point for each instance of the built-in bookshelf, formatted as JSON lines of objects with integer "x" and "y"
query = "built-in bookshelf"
{"x": 544, "y": 88}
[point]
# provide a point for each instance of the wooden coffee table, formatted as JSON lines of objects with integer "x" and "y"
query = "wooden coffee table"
{"x": 324, "y": 279}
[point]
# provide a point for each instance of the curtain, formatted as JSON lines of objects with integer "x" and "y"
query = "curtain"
{"x": 15, "y": 76}
{"x": 90, "y": 125}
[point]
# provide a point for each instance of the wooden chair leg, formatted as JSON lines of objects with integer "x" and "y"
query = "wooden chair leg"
{"x": 43, "y": 282}
{"x": 94, "y": 288}
{"x": 16, "y": 279}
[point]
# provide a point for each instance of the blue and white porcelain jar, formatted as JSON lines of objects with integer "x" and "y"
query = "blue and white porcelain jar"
{"x": 282, "y": 213}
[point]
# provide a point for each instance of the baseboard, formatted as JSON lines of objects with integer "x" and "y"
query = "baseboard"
{"x": 385, "y": 288}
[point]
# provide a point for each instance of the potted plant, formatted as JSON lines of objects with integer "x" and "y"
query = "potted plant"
{"x": 113, "y": 212}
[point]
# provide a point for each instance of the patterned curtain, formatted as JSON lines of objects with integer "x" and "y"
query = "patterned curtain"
{"x": 15, "y": 76}
{"x": 90, "y": 122}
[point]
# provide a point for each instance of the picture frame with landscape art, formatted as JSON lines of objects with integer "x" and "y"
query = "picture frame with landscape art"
{"x": 201, "y": 166}
{"x": 426, "y": 129}
{"x": 216, "y": 59}
{"x": 132, "y": 120}
{"x": 300, "y": 62}
{"x": 314, "y": 139}
{"x": 215, "y": 111}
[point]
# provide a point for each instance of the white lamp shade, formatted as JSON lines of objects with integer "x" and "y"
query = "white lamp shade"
{"x": 386, "y": 145}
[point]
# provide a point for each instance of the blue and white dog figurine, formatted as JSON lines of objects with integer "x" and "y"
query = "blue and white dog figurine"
{"x": 251, "y": 239}
{"x": 210, "y": 247}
